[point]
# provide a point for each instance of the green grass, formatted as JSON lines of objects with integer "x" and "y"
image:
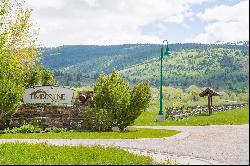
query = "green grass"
{"x": 43, "y": 154}
{"x": 132, "y": 133}
{"x": 230, "y": 117}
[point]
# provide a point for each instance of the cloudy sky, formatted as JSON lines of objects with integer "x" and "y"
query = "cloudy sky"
{"x": 106, "y": 22}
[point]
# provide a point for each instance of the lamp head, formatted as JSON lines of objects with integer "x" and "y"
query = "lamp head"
{"x": 167, "y": 52}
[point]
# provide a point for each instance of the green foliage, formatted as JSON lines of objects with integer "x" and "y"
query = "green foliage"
{"x": 222, "y": 67}
{"x": 243, "y": 97}
{"x": 97, "y": 120}
{"x": 230, "y": 117}
{"x": 10, "y": 94}
{"x": 175, "y": 96}
{"x": 27, "y": 128}
{"x": 194, "y": 91}
{"x": 17, "y": 54}
{"x": 113, "y": 94}
{"x": 140, "y": 98}
{"x": 190, "y": 97}
{"x": 55, "y": 130}
{"x": 40, "y": 75}
{"x": 44, "y": 154}
{"x": 130, "y": 133}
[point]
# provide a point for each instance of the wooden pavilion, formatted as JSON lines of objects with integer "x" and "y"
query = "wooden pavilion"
{"x": 209, "y": 92}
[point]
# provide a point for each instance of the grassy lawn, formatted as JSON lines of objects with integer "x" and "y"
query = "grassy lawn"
{"x": 43, "y": 154}
{"x": 132, "y": 133}
{"x": 236, "y": 116}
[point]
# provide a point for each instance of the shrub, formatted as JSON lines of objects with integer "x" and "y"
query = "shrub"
{"x": 121, "y": 104}
{"x": 27, "y": 128}
{"x": 140, "y": 98}
{"x": 97, "y": 120}
{"x": 55, "y": 129}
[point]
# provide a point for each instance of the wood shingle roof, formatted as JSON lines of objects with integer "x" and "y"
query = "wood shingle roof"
{"x": 209, "y": 91}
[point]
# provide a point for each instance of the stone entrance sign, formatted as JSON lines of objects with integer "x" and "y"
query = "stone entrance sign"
{"x": 48, "y": 95}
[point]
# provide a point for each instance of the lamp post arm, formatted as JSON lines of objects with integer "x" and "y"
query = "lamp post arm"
{"x": 164, "y": 42}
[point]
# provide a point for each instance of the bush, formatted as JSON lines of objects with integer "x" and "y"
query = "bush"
{"x": 55, "y": 130}
{"x": 27, "y": 128}
{"x": 121, "y": 104}
{"x": 140, "y": 98}
{"x": 97, "y": 120}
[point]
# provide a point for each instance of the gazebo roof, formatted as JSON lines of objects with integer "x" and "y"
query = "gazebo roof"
{"x": 209, "y": 91}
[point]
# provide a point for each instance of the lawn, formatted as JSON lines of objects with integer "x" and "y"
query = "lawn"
{"x": 132, "y": 133}
{"x": 230, "y": 117}
{"x": 43, "y": 154}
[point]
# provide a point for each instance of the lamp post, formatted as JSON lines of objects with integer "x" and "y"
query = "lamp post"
{"x": 161, "y": 116}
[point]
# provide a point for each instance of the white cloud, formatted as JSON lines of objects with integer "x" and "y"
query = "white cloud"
{"x": 227, "y": 13}
{"x": 226, "y": 23}
{"x": 38, "y": 4}
{"x": 104, "y": 21}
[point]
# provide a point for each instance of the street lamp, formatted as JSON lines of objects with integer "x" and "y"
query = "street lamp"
{"x": 161, "y": 116}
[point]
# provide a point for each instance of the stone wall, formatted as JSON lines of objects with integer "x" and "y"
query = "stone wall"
{"x": 182, "y": 112}
{"x": 48, "y": 116}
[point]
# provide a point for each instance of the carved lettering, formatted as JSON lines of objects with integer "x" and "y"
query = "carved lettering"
{"x": 40, "y": 95}
{"x": 50, "y": 95}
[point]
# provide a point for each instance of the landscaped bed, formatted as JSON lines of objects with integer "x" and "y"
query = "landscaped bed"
{"x": 132, "y": 133}
{"x": 41, "y": 154}
{"x": 230, "y": 117}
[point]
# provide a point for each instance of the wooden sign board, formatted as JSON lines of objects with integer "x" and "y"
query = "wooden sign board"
{"x": 48, "y": 95}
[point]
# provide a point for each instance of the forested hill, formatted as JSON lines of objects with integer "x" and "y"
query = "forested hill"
{"x": 191, "y": 63}
{"x": 218, "y": 68}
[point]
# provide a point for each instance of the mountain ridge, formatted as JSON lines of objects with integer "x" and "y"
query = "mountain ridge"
{"x": 74, "y": 64}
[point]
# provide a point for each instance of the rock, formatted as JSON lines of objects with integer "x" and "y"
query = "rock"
{"x": 115, "y": 129}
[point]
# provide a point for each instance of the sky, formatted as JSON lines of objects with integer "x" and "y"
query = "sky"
{"x": 111, "y": 22}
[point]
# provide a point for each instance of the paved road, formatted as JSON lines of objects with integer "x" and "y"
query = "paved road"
{"x": 227, "y": 144}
